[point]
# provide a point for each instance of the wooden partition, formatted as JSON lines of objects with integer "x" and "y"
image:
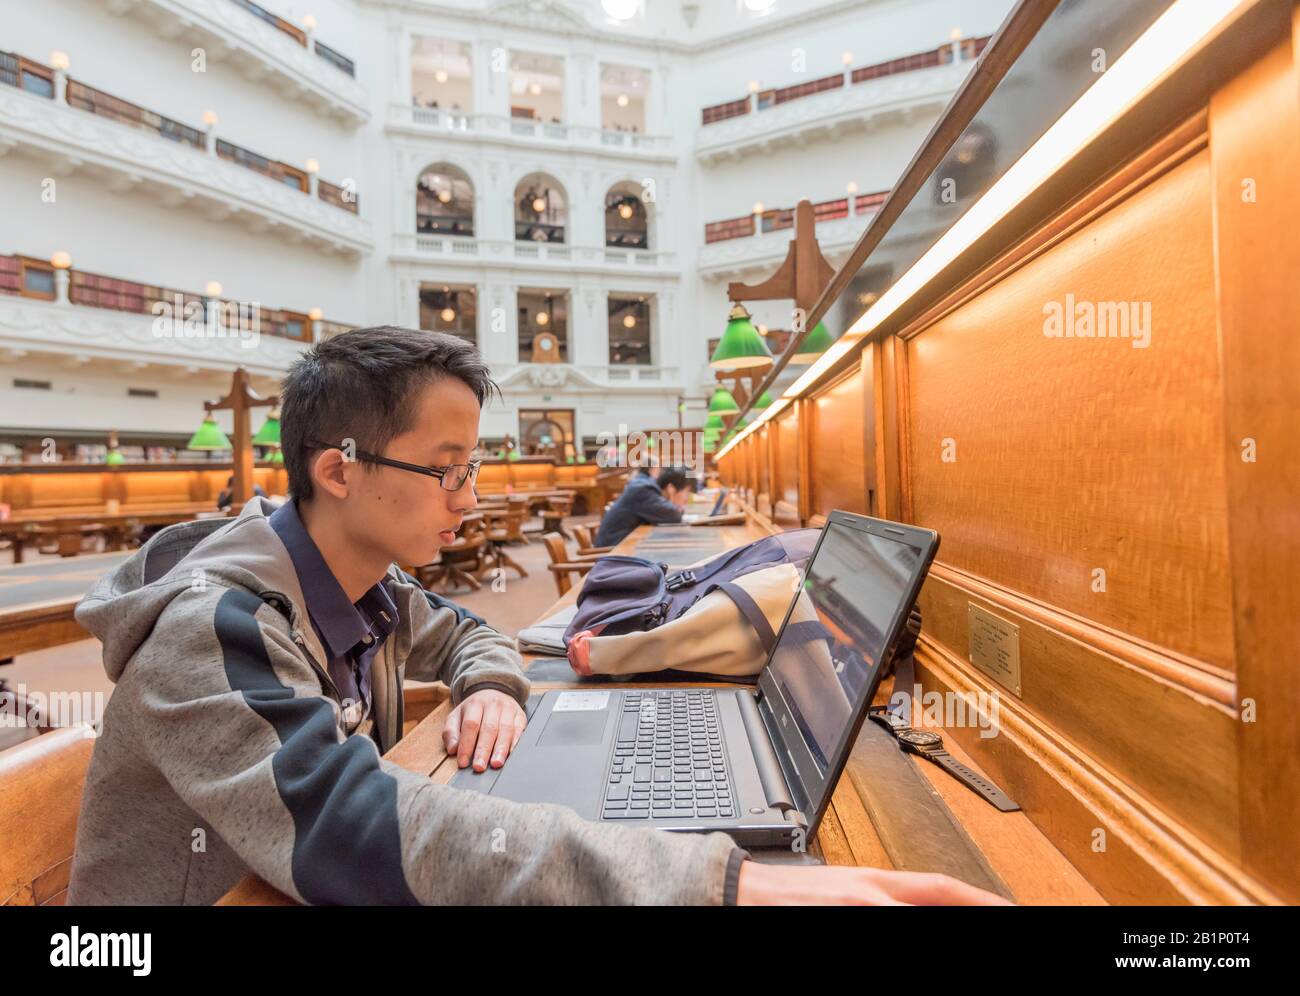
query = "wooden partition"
{"x": 1131, "y": 511}
{"x": 71, "y": 488}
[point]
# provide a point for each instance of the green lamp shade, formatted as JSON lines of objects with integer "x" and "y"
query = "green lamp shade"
{"x": 277, "y": 456}
{"x": 714, "y": 422}
{"x": 763, "y": 401}
{"x": 209, "y": 437}
{"x": 513, "y": 455}
{"x": 722, "y": 402}
{"x": 819, "y": 339}
{"x": 741, "y": 347}
{"x": 709, "y": 445}
{"x": 114, "y": 458}
{"x": 269, "y": 434}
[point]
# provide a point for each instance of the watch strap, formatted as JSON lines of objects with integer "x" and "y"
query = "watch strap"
{"x": 972, "y": 780}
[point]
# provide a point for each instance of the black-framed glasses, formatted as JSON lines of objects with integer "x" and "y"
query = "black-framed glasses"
{"x": 452, "y": 476}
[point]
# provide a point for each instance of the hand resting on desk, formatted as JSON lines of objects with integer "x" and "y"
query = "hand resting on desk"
{"x": 486, "y": 722}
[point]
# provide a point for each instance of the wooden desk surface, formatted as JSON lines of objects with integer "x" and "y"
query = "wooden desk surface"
{"x": 1035, "y": 871}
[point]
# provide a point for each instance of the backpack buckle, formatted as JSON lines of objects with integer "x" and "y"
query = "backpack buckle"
{"x": 679, "y": 580}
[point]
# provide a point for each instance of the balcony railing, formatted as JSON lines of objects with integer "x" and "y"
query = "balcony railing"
{"x": 334, "y": 58}
{"x": 969, "y": 48}
{"x": 453, "y": 122}
{"x": 778, "y": 218}
{"x": 86, "y": 98}
{"x": 30, "y": 277}
{"x": 536, "y": 231}
{"x": 451, "y": 247}
{"x": 31, "y": 76}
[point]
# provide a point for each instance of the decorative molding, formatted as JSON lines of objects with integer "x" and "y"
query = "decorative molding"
{"x": 478, "y": 130}
{"x": 855, "y": 107}
{"x": 1068, "y": 794}
{"x": 239, "y": 33}
{"x": 77, "y": 138}
{"x": 30, "y": 327}
{"x": 581, "y": 379}
{"x": 417, "y": 249}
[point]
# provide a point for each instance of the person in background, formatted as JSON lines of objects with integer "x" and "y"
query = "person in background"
{"x": 646, "y": 500}
{"x": 226, "y": 499}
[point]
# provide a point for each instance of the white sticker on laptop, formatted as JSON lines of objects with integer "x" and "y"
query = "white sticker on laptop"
{"x": 581, "y": 702}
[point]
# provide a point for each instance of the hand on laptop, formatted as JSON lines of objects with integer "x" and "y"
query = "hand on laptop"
{"x": 778, "y": 885}
{"x": 484, "y": 728}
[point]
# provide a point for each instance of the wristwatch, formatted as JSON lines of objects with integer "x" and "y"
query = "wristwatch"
{"x": 929, "y": 745}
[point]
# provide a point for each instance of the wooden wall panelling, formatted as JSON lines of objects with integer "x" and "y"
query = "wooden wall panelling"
{"x": 886, "y": 356}
{"x": 1077, "y": 456}
{"x": 803, "y": 461}
{"x": 1255, "y": 157}
{"x": 838, "y": 446}
{"x": 1045, "y": 461}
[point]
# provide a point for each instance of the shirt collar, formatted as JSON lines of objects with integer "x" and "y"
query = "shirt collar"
{"x": 340, "y": 623}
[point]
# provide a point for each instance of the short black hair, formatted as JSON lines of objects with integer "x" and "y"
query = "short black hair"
{"x": 359, "y": 385}
{"x": 676, "y": 476}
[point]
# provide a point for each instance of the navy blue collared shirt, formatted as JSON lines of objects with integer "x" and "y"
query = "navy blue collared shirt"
{"x": 351, "y": 633}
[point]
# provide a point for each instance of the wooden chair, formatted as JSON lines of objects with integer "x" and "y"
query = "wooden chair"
{"x": 553, "y": 515}
{"x": 515, "y": 523}
{"x": 562, "y": 566}
{"x": 583, "y": 536}
{"x": 40, "y": 798}
{"x": 502, "y": 526}
{"x": 462, "y": 561}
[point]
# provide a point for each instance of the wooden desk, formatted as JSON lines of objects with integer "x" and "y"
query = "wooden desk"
{"x": 25, "y": 527}
{"x": 36, "y": 601}
{"x": 1034, "y": 870}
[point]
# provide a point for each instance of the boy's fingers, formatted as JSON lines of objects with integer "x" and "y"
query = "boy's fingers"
{"x": 470, "y": 721}
{"x": 511, "y": 730}
{"x": 487, "y": 735}
{"x": 451, "y": 731}
{"x": 931, "y": 888}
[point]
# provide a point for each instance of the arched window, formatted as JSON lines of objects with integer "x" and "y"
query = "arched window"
{"x": 541, "y": 209}
{"x": 444, "y": 201}
{"x": 627, "y": 225}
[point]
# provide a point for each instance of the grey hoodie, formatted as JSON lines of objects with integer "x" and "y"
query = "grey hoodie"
{"x": 224, "y": 752}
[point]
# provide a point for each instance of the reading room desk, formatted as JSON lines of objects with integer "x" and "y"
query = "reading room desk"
{"x": 1034, "y": 872}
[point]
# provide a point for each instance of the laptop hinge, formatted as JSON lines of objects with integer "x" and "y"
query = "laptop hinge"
{"x": 769, "y": 767}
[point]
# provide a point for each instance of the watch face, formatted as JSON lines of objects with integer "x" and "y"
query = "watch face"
{"x": 921, "y": 738}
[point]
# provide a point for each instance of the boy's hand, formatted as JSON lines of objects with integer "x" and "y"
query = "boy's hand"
{"x": 769, "y": 885}
{"x": 485, "y": 726}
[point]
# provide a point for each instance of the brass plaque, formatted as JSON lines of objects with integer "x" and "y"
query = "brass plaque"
{"x": 995, "y": 647}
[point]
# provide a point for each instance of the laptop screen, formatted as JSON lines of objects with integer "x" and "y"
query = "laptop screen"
{"x": 828, "y": 657}
{"x": 722, "y": 497}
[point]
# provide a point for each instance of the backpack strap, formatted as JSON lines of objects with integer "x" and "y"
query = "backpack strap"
{"x": 752, "y": 613}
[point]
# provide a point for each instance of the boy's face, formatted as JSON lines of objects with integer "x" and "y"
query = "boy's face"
{"x": 410, "y": 516}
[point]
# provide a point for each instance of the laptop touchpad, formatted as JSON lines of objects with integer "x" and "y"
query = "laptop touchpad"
{"x": 574, "y": 729}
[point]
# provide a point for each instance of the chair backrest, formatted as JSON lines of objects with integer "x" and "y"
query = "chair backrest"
{"x": 40, "y": 797}
{"x": 559, "y": 555}
{"x": 583, "y": 535}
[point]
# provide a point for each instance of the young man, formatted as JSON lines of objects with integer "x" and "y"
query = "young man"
{"x": 645, "y": 500}
{"x": 259, "y": 666}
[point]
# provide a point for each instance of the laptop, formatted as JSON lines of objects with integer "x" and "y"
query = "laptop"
{"x": 717, "y": 508}
{"x": 757, "y": 762}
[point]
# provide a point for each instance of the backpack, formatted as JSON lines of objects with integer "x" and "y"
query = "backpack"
{"x": 717, "y": 617}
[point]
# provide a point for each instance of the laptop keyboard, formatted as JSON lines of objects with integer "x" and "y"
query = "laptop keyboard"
{"x": 668, "y": 759}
